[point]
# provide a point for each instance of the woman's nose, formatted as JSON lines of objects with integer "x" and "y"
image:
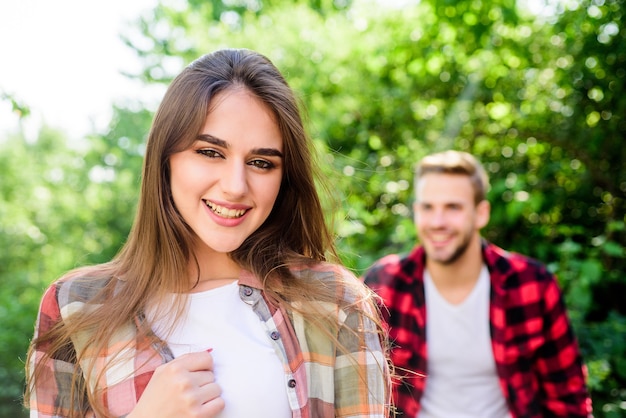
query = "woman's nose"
{"x": 234, "y": 181}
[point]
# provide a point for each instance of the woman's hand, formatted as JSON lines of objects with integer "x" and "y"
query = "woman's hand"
{"x": 184, "y": 387}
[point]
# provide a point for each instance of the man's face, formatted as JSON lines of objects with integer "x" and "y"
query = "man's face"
{"x": 446, "y": 217}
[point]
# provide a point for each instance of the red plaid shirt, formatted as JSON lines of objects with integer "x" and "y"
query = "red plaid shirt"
{"x": 537, "y": 357}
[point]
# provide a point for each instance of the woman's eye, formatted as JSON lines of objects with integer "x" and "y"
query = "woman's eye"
{"x": 263, "y": 164}
{"x": 211, "y": 153}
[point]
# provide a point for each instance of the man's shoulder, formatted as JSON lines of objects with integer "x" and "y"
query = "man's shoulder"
{"x": 514, "y": 266}
{"x": 396, "y": 267}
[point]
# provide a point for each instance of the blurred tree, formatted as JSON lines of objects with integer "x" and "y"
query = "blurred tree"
{"x": 60, "y": 207}
{"x": 538, "y": 98}
{"x": 20, "y": 109}
{"x": 37, "y": 181}
{"x": 535, "y": 96}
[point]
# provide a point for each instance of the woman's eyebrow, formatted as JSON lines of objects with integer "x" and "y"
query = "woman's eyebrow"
{"x": 212, "y": 140}
{"x": 268, "y": 152}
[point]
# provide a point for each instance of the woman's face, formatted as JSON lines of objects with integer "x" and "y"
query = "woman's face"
{"x": 226, "y": 183}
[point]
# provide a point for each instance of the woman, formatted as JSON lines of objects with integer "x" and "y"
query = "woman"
{"x": 221, "y": 302}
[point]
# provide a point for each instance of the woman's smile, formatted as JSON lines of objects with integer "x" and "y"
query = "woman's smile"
{"x": 225, "y": 212}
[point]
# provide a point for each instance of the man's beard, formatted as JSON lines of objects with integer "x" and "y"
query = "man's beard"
{"x": 458, "y": 253}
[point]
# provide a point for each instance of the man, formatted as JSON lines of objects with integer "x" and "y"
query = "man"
{"x": 477, "y": 331}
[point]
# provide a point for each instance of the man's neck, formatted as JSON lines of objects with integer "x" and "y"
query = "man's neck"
{"x": 455, "y": 281}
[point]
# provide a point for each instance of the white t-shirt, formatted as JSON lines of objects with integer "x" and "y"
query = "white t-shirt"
{"x": 461, "y": 377}
{"x": 246, "y": 367}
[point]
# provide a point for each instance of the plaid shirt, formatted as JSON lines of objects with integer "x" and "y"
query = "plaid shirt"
{"x": 537, "y": 358}
{"x": 321, "y": 381}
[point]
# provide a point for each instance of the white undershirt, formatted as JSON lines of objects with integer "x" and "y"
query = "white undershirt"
{"x": 461, "y": 378}
{"x": 247, "y": 368}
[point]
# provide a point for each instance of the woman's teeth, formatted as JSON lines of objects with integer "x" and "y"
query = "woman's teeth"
{"x": 225, "y": 212}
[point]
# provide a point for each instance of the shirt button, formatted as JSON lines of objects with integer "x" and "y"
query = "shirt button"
{"x": 247, "y": 291}
{"x": 275, "y": 335}
{"x": 291, "y": 383}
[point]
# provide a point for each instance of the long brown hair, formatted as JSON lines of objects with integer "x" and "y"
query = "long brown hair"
{"x": 154, "y": 261}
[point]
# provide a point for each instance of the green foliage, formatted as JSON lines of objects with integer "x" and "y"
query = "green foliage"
{"x": 20, "y": 109}
{"x": 539, "y": 100}
{"x": 62, "y": 205}
{"x": 530, "y": 97}
{"x": 604, "y": 345}
{"x": 22, "y": 259}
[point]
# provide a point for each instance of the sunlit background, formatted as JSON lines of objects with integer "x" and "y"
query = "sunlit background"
{"x": 64, "y": 59}
{"x": 537, "y": 92}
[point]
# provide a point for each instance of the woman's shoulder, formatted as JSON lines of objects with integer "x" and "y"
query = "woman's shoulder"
{"x": 80, "y": 286}
{"x": 345, "y": 284}
{"x": 324, "y": 271}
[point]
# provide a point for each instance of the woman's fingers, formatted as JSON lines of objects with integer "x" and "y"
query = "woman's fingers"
{"x": 184, "y": 387}
{"x": 201, "y": 360}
